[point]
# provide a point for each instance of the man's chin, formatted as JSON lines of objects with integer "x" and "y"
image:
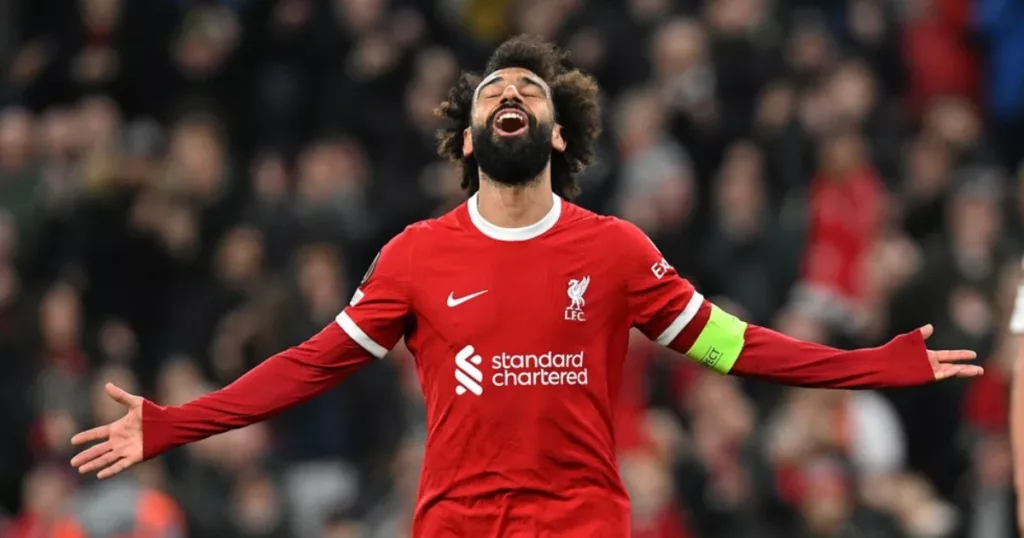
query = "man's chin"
{"x": 513, "y": 159}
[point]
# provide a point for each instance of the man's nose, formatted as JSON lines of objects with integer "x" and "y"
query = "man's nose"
{"x": 511, "y": 93}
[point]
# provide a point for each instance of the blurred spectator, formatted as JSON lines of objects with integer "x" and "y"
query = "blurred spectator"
{"x": 657, "y": 186}
{"x": 848, "y": 206}
{"x": 743, "y": 236}
{"x": 940, "y": 59}
{"x": 46, "y": 496}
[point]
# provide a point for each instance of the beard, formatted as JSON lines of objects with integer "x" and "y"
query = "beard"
{"x": 512, "y": 160}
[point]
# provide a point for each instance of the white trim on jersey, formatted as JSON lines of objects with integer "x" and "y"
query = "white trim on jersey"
{"x": 514, "y": 234}
{"x": 684, "y": 319}
{"x": 359, "y": 336}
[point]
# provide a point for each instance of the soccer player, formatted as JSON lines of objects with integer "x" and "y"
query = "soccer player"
{"x": 517, "y": 306}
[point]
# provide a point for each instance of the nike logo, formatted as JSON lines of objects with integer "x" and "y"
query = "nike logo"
{"x": 453, "y": 302}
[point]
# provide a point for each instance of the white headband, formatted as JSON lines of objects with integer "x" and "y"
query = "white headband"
{"x": 487, "y": 80}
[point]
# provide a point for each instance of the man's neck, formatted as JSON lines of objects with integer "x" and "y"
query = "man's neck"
{"x": 514, "y": 207}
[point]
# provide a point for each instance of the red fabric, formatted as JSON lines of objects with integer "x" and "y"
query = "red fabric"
{"x": 939, "y": 57}
{"x": 629, "y": 431}
{"x": 683, "y": 377}
{"x": 771, "y": 356}
{"x": 775, "y": 357}
{"x": 795, "y": 482}
{"x": 285, "y": 380}
{"x": 630, "y": 434}
{"x": 27, "y": 526}
{"x": 987, "y": 404}
{"x": 790, "y": 483}
{"x": 846, "y": 218}
{"x": 516, "y": 447}
{"x": 629, "y": 414}
{"x": 33, "y": 526}
{"x": 639, "y": 359}
{"x": 157, "y": 515}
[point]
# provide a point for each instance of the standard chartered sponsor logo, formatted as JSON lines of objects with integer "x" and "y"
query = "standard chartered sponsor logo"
{"x": 467, "y": 373}
{"x": 519, "y": 370}
{"x": 544, "y": 369}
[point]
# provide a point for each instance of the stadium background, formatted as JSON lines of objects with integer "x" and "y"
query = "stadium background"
{"x": 188, "y": 186}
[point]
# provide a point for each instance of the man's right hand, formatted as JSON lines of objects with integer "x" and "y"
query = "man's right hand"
{"x": 120, "y": 444}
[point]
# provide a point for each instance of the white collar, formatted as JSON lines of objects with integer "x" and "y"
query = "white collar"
{"x": 514, "y": 234}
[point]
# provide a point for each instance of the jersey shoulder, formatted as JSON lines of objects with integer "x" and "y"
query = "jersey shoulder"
{"x": 421, "y": 233}
{"x": 396, "y": 256}
{"x": 441, "y": 226}
{"x": 613, "y": 232}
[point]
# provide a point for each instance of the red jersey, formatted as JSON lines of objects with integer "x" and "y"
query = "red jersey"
{"x": 519, "y": 337}
{"x": 845, "y": 223}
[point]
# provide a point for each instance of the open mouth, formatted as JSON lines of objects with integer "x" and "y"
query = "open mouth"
{"x": 510, "y": 122}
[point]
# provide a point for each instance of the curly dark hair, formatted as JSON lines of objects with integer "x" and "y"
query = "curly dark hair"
{"x": 576, "y": 108}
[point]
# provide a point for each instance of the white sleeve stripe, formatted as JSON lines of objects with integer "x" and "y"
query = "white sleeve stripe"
{"x": 359, "y": 336}
{"x": 684, "y": 319}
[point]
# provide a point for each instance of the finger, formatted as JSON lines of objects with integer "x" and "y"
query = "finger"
{"x": 100, "y": 462}
{"x": 953, "y": 355}
{"x": 969, "y": 370}
{"x": 90, "y": 454}
{"x": 926, "y": 331}
{"x": 119, "y": 466}
{"x": 95, "y": 434}
{"x": 958, "y": 370}
{"x": 119, "y": 395}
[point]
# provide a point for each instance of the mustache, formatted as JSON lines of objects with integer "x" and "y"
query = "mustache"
{"x": 511, "y": 106}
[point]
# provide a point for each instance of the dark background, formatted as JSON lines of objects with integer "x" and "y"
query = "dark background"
{"x": 189, "y": 186}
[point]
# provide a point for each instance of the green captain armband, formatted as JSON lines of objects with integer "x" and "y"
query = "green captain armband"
{"x": 720, "y": 343}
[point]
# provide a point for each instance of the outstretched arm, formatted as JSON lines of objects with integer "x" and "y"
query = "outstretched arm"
{"x": 279, "y": 383}
{"x": 668, "y": 309}
{"x": 727, "y": 345}
{"x": 369, "y": 327}
{"x": 282, "y": 381}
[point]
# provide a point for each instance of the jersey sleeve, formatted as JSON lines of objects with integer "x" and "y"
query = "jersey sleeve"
{"x": 370, "y": 325}
{"x": 1017, "y": 316}
{"x": 661, "y": 302}
{"x": 287, "y": 379}
{"x": 375, "y": 317}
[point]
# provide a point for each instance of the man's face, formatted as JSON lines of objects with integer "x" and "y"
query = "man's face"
{"x": 512, "y": 131}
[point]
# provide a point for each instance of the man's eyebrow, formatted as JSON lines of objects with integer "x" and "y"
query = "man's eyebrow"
{"x": 534, "y": 82}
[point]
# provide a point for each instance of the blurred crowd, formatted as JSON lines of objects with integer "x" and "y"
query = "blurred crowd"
{"x": 189, "y": 186}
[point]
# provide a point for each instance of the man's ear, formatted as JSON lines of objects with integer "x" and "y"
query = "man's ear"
{"x": 557, "y": 142}
{"x": 467, "y": 142}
